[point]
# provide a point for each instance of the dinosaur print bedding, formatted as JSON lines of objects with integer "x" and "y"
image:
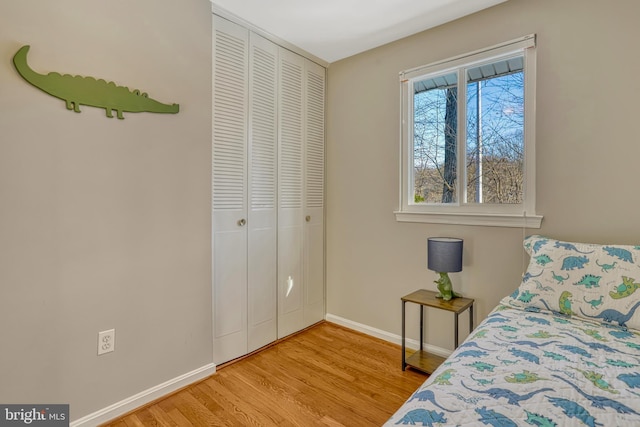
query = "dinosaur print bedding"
{"x": 522, "y": 368}
{"x": 559, "y": 351}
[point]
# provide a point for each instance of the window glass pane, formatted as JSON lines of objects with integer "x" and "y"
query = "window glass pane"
{"x": 495, "y": 132}
{"x": 434, "y": 139}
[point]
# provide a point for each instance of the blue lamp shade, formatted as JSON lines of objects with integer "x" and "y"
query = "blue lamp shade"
{"x": 444, "y": 254}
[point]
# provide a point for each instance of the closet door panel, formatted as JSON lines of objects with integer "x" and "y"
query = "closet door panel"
{"x": 230, "y": 295}
{"x": 229, "y": 164}
{"x": 314, "y": 193}
{"x": 261, "y": 301}
{"x": 290, "y": 277}
{"x": 263, "y": 145}
{"x": 290, "y": 184}
{"x": 314, "y": 269}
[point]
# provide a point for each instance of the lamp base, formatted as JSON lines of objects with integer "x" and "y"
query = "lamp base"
{"x": 445, "y": 287}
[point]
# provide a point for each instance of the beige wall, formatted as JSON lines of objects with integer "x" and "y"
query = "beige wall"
{"x": 104, "y": 223}
{"x": 587, "y": 156}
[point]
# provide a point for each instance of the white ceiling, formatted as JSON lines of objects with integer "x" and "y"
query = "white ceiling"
{"x": 335, "y": 29}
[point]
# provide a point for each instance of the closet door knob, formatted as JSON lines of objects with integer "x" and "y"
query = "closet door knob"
{"x": 242, "y": 222}
{"x": 307, "y": 218}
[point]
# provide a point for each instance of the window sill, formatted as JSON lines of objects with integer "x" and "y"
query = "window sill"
{"x": 482, "y": 219}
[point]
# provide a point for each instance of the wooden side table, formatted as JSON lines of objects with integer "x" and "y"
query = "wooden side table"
{"x": 421, "y": 359}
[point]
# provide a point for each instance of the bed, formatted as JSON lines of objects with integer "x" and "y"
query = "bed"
{"x": 562, "y": 350}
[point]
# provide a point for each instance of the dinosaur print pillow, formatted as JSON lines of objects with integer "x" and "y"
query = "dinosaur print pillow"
{"x": 591, "y": 281}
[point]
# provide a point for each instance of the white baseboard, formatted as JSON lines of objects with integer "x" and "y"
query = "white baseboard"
{"x": 144, "y": 397}
{"x": 160, "y": 390}
{"x": 384, "y": 335}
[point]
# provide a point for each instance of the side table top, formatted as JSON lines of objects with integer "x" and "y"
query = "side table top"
{"x": 428, "y": 298}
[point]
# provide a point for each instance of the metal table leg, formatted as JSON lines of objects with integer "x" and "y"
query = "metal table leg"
{"x": 421, "y": 326}
{"x": 404, "y": 360}
{"x": 455, "y": 330}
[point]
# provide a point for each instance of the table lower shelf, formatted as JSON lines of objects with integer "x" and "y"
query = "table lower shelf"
{"x": 423, "y": 361}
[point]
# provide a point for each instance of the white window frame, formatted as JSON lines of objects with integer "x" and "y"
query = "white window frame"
{"x": 501, "y": 215}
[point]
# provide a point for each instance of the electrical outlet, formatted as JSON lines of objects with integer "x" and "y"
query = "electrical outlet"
{"x": 106, "y": 341}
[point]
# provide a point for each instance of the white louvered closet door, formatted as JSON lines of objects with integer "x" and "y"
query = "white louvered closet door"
{"x": 230, "y": 99}
{"x": 263, "y": 145}
{"x": 268, "y": 191}
{"x": 314, "y": 308}
{"x": 290, "y": 196}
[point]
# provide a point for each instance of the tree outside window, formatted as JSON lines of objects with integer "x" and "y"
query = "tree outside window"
{"x": 494, "y": 150}
{"x": 468, "y": 139}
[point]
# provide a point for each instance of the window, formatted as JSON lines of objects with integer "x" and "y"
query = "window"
{"x": 468, "y": 139}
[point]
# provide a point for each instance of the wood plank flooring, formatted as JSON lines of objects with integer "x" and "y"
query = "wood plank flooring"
{"x": 325, "y": 376}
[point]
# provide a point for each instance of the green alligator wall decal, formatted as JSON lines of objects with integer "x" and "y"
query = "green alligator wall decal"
{"x": 79, "y": 90}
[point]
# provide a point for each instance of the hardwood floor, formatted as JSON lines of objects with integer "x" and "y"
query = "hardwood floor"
{"x": 325, "y": 376}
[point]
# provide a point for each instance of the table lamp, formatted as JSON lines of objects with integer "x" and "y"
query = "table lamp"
{"x": 444, "y": 255}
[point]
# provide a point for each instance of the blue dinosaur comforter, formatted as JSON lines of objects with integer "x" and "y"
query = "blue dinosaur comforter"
{"x": 521, "y": 368}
